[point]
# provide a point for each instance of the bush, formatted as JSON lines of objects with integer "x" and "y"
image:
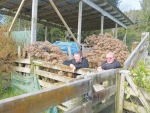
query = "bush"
{"x": 141, "y": 76}
{"x": 8, "y": 51}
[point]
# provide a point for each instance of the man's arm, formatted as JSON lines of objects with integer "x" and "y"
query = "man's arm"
{"x": 67, "y": 62}
{"x": 117, "y": 64}
{"x": 83, "y": 64}
{"x": 103, "y": 65}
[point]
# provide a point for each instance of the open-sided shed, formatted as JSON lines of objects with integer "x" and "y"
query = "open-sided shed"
{"x": 84, "y": 15}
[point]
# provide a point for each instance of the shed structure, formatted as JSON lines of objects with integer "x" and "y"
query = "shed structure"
{"x": 84, "y": 15}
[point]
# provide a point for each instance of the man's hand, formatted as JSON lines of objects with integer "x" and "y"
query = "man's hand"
{"x": 73, "y": 67}
{"x": 99, "y": 69}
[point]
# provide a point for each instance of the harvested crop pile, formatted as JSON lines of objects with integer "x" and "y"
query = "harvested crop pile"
{"x": 8, "y": 53}
{"x": 101, "y": 45}
{"x": 45, "y": 51}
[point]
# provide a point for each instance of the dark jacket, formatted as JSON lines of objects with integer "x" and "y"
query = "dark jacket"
{"x": 113, "y": 65}
{"x": 78, "y": 65}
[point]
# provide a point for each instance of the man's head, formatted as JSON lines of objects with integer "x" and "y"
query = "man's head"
{"x": 78, "y": 56}
{"x": 110, "y": 57}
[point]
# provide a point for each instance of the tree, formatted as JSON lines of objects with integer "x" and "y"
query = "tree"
{"x": 57, "y": 34}
{"x": 115, "y": 2}
{"x": 145, "y": 13}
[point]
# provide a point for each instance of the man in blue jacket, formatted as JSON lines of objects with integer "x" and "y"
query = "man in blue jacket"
{"x": 78, "y": 62}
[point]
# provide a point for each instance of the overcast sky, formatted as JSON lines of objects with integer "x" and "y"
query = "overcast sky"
{"x": 127, "y": 5}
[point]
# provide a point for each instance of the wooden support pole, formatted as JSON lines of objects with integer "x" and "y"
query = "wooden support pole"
{"x": 116, "y": 30}
{"x": 102, "y": 24}
{"x": 69, "y": 52}
{"x": 34, "y": 20}
{"x": 62, "y": 19}
{"x": 125, "y": 37}
{"x": 19, "y": 26}
{"x": 17, "y": 13}
{"x": 46, "y": 33}
{"x": 19, "y": 52}
{"x": 80, "y": 22}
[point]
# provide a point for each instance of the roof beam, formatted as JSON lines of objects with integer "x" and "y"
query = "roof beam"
{"x": 26, "y": 3}
{"x": 64, "y": 8}
{"x": 74, "y": 22}
{"x": 29, "y": 19}
{"x": 75, "y": 18}
{"x": 103, "y": 12}
{"x": 86, "y": 16}
{"x": 103, "y": 4}
{"x": 48, "y": 5}
{"x": 86, "y": 13}
{"x": 113, "y": 12}
{"x": 65, "y": 13}
{"x": 121, "y": 18}
{"x": 61, "y": 8}
{"x": 117, "y": 15}
{"x": 3, "y": 1}
{"x": 108, "y": 8}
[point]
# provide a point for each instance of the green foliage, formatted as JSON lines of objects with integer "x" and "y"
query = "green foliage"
{"x": 53, "y": 34}
{"x": 141, "y": 76}
{"x": 57, "y": 34}
{"x": 41, "y": 34}
{"x": 7, "y": 92}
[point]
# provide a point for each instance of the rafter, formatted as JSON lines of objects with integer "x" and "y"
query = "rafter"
{"x": 3, "y": 1}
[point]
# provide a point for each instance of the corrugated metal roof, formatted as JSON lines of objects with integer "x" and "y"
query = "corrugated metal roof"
{"x": 91, "y": 19}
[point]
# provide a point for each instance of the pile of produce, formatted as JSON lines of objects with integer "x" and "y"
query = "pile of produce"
{"x": 45, "y": 51}
{"x": 101, "y": 45}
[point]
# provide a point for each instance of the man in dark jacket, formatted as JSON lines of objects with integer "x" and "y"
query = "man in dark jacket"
{"x": 110, "y": 63}
{"x": 78, "y": 62}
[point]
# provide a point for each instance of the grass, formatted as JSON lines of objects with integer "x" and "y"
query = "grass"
{"x": 7, "y": 92}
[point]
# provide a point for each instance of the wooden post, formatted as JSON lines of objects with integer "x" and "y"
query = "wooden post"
{"x": 83, "y": 48}
{"x": 102, "y": 24}
{"x": 79, "y": 22}
{"x": 62, "y": 19}
{"x": 17, "y": 13}
{"x": 120, "y": 93}
{"x": 116, "y": 30}
{"x": 45, "y": 33}
{"x": 125, "y": 37}
{"x": 143, "y": 35}
{"x": 34, "y": 20}
{"x": 19, "y": 55}
{"x": 134, "y": 45}
{"x": 118, "y": 78}
{"x": 19, "y": 26}
{"x": 69, "y": 52}
{"x": 19, "y": 51}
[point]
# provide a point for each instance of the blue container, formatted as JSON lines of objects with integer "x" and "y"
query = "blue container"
{"x": 64, "y": 46}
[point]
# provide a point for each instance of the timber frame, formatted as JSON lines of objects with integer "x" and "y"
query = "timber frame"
{"x": 83, "y": 15}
